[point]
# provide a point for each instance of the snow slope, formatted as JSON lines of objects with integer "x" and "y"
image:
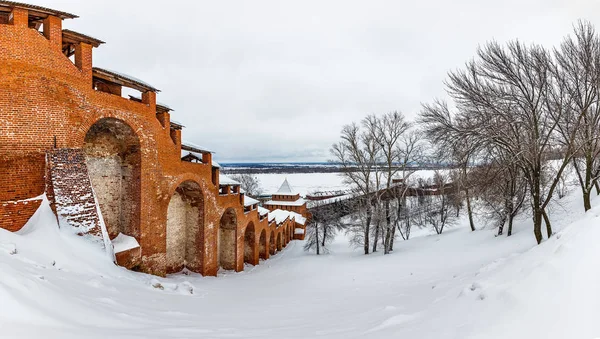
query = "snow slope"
{"x": 460, "y": 284}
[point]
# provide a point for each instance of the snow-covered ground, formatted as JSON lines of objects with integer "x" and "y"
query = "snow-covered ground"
{"x": 460, "y": 284}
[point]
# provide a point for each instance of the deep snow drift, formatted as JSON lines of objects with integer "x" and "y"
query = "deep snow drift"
{"x": 460, "y": 284}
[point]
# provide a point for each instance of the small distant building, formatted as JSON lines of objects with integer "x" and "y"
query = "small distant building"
{"x": 287, "y": 199}
{"x": 287, "y": 202}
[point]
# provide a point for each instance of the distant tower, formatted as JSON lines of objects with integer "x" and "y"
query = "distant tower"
{"x": 288, "y": 200}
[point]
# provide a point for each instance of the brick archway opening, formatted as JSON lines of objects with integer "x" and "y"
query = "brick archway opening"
{"x": 227, "y": 239}
{"x": 249, "y": 244}
{"x": 272, "y": 245}
{"x": 113, "y": 159}
{"x": 185, "y": 228}
{"x": 262, "y": 245}
{"x": 279, "y": 246}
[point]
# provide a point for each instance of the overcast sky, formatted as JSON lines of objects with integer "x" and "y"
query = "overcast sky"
{"x": 277, "y": 80}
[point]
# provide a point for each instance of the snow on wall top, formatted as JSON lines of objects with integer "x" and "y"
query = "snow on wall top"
{"x": 279, "y": 216}
{"x": 249, "y": 201}
{"x": 192, "y": 145}
{"x": 124, "y": 242}
{"x": 298, "y": 218}
{"x": 225, "y": 180}
{"x": 262, "y": 210}
{"x": 298, "y": 202}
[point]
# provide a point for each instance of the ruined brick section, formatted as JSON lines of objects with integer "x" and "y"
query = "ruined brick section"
{"x": 14, "y": 214}
{"x": 73, "y": 196}
{"x": 130, "y": 258}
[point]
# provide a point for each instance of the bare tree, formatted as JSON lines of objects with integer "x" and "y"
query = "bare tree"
{"x": 501, "y": 188}
{"x": 509, "y": 100}
{"x": 409, "y": 149}
{"x": 440, "y": 129}
{"x": 578, "y": 70}
{"x": 324, "y": 225}
{"x": 391, "y": 130}
{"x": 249, "y": 183}
{"x": 438, "y": 212}
{"x": 357, "y": 154}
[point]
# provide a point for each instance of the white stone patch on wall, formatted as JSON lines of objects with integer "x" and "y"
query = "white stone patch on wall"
{"x": 193, "y": 226}
{"x": 176, "y": 231}
{"x": 106, "y": 177}
{"x": 184, "y": 224}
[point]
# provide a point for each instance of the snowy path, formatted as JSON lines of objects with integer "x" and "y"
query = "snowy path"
{"x": 455, "y": 285}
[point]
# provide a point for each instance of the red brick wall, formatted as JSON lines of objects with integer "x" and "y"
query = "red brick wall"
{"x": 14, "y": 215}
{"x": 44, "y": 96}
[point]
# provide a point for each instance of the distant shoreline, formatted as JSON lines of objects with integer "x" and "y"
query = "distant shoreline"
{"x": 298, "y": 167}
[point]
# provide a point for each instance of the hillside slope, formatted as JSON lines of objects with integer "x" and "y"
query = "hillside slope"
{"x": 457, "y": 285}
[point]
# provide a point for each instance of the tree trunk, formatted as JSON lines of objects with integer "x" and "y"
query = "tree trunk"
{"x": 317, "y": 235}
{"x": 392, "y": 239}
{"x": 388, "y": 229}
{"x": 587, "y": 205}
{"x": 510, "y": 225}
{"x": 469, "y": 210}
{"x": 376, "y": 240}
{"x": 500, "y": 228}
{"x": 468, "y": 198}
{"x": 589, "y": 164}
{"x": 547, "y": 222}
{"x": 597, "y": 187}
{"x": 324, "y": 236}
{"x": 536, "y": 205}
{"x": 367, "y": 229}
{"x": 537, "y": 225}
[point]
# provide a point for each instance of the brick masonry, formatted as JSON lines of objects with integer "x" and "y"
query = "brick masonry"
{"x": 73, "y": 197}
{"x": 132, "y": 158}
{"x": 14, "y": 214}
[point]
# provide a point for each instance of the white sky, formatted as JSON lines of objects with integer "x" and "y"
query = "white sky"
{"x": 276, "y": 80}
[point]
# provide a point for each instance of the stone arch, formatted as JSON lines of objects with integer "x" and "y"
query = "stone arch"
{"x": 250, "y": 244}
{"x": 227, "y": 239}
{"x": 113, "y": 159}
{"x": 262, "y": 245}
{"x": 272, "y": 244}
{"x": 185, "y": 228}
{"x": 279, "y": 246}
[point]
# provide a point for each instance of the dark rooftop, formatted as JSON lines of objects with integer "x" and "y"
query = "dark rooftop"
{"x": 70, "y": 36}
{"x": 123, "y": 79}
{"x": 35, "y": 10}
